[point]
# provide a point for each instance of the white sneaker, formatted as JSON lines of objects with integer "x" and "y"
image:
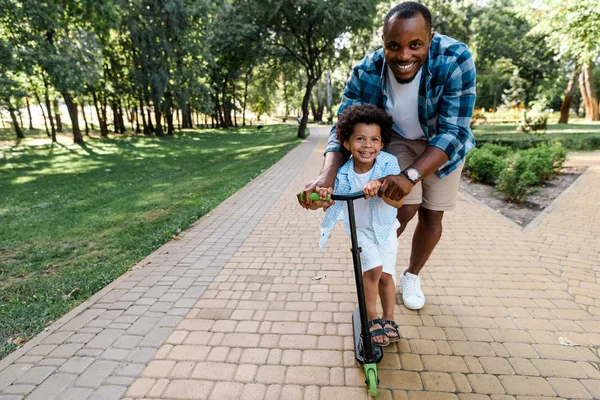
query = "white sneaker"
{"x": 412, "y": 295}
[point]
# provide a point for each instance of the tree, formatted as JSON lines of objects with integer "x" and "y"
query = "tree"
{"x": 515, "y": 93}
{"x": 9, "y": 85}
{"x": 307, "y": 31}
{"x": 572, "y": 29}
{"x": 499, "y": 38}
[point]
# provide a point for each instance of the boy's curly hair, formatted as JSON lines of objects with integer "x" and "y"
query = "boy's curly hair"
{"x": 367, "y": 114}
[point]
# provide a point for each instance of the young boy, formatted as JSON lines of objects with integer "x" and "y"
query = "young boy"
{"x": 364, "y": 130}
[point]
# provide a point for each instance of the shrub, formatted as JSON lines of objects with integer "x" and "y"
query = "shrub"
{"x": 483, "y": 165}
{"x": 536, "y": 124}
{"x": 529, "y": 169}
{"x": 497, "y": 150}
{"x": 515, "y": 185}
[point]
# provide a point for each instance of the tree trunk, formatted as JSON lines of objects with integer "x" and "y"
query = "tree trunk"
{"x": 150, "y": 125}
{"x": 87, "y": 129}
{"x": 186, "y": 116}
{"x": 145, "y": 128}
{"x": 137, "y": 118}
{"x": 101, "y": 119}
{"x": 49, "y": 109}
{"x": 588, "y": 93}
{"x": 286, "y": 98}
{"x": 219, "y": 114}
{"x": 122, "y": 127}
{"x": 311, "y": 82}
{"x": 72, "y": 107}
{"x": 158, "y": 115}
{"x": 13, "y": 116}
{"x": 566, "y": 104}
{"x": 37, "y": 97}
{"x": 59, "y": 127}
{"x": 245, "y": 99}
{"x": 29, "y": 112}
{"x": 116, "y": 120}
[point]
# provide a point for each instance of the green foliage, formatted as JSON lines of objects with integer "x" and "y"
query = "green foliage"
{"x": 500, "y": 43}
{"x": 529, "y": 168}
{"x": 535, "y": 124}
{"x": 486, "y": 163}
{"x": 571, "y": 28}
{"x": 515, "y": 93}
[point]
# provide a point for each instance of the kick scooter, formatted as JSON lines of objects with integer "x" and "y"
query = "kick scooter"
{"x": 365, "y": 352}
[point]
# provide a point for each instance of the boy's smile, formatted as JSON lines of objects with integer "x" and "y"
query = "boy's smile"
{"x": 364, "y": 144}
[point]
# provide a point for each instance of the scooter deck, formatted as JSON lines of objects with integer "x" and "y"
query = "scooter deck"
{"x": 358, "y": 349}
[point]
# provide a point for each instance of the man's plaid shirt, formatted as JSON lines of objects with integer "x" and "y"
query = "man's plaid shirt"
{"x": 446, "y": 97}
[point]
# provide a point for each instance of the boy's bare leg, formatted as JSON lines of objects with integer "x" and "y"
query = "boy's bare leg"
{"x": 387, "y": 292}
{"x": 371, "y": 280}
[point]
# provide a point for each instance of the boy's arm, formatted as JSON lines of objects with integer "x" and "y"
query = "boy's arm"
{"x": 372, "y": 188}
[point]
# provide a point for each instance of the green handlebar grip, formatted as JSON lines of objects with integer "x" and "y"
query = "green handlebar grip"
{"x": 313, "y": 196}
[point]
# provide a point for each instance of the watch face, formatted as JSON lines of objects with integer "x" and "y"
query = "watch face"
{"x": 413, "y": 174}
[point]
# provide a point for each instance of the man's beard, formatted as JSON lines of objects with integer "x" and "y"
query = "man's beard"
{"x": 406, "y": 81}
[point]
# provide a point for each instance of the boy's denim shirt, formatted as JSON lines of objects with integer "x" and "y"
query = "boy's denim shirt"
{"x": 384, "y": 215}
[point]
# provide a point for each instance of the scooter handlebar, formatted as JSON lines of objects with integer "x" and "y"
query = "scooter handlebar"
{"x": 314, "y": 196}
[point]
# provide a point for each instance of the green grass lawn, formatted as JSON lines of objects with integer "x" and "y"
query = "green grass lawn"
{"x": 574, "y": 136}
{"x": 74, "y": 218}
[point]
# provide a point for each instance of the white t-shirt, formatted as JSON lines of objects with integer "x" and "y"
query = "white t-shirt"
{"x": 363, "y": 215}
{"x": 403, "y": 105}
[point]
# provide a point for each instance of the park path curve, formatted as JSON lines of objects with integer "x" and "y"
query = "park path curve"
{"x": 231, "y": 311}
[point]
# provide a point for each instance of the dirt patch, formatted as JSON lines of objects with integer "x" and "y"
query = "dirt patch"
{"x": 524, "y": 213}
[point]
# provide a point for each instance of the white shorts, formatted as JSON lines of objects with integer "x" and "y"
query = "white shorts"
{"x": 373, "y": 255}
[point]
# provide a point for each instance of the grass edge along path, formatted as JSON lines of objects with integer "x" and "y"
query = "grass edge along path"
{"x": 73, "y": 219}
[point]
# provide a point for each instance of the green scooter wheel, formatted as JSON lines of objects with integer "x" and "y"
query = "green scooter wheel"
{"x": 372, "y": 379}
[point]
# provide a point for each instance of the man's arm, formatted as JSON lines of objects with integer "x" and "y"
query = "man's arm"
{"x": 325, "y": 179}
{"x": 455, "y": 107}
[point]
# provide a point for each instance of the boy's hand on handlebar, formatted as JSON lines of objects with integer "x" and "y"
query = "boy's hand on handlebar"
{"x": 372, "y": 188}
{"x": 314, "y": 186}
{"x": 324, "y": 194}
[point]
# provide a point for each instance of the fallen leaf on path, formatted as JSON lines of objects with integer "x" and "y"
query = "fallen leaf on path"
{"x": 318, "y": 277}
{"x": 175, "y": 237}
{"x": 566, "y": 342}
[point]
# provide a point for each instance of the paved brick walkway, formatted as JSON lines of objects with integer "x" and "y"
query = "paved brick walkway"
{"x": 231, "y": 311}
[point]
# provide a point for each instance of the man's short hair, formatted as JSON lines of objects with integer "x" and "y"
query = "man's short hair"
{"x": 367, "y": 114}
{"x": 407, "y": 10}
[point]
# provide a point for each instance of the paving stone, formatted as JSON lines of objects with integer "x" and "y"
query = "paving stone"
{"x": 188, "y": 389}
{"x": 52, "y": 387}
{"x": 96, "y": 373}
{"x": 526, "y": 386}
{"x": 108, "y": 392}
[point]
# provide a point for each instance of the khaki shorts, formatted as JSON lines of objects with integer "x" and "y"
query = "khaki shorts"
{"x": 432, "y": 192}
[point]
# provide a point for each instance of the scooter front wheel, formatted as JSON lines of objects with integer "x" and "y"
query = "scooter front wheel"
{"x": 372, "y": 378}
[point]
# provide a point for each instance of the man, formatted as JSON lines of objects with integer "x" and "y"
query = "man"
{"x": 426, "y": 82}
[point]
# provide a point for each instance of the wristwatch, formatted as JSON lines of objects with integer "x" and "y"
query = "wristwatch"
{"x": 412, "y": 174}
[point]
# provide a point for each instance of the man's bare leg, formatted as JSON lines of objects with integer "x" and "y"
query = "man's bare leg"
{"x": 426, "y": 236}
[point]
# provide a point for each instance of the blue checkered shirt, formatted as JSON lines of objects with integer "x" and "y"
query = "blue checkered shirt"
{"x": 446, "y": 97}
{"x": 384, "y": 215}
